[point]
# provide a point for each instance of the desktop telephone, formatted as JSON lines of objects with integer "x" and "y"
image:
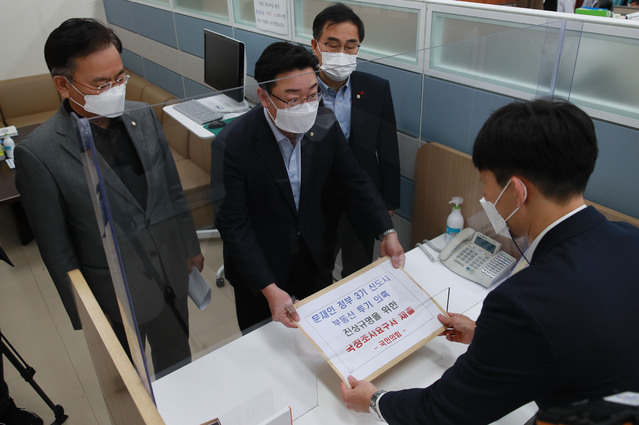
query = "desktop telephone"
{"x": 476, "y": 257}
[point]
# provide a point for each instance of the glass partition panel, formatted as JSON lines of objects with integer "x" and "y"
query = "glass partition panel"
{"x": 579, "y": 57}
{"x": 605, "y": 75}
{"x": 153, "y": 232}
{"x": 212, "y": 8}
{"x": 161, "y": 176}
{"x": 109, "y": 281}
{"x": 471, "y": 49}
{"x": 189, "y": 339}
{"x": 559, "y": 58}
{"x": 500, "y": 64}
{"x": 244, "y": 13}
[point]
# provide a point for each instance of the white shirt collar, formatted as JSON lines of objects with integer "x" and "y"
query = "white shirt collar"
{"x": 531, "y": 249}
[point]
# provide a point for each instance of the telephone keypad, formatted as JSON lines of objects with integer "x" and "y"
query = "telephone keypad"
{"x": 472, "y": 258}
{"x": 483, "y": 262}
{"x": 499, "y": 263}
{"x": 476, "y": 257}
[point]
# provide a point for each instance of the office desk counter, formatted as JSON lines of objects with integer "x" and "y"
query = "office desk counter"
{"x": 9, "y": 193}
{"x": 274, "y": 367}
{"x": 194, "y": 127}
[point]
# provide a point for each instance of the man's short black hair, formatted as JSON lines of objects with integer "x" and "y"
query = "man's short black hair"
{"x": 282, "y": 57}
{"x": 552, "y": 143}
{"x": 76, "y": 38}
{"x": 336, "y": 14}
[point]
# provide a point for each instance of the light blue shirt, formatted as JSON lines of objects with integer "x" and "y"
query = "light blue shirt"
{"x": 292, "y": 156}
{"x": 340, "y": 103}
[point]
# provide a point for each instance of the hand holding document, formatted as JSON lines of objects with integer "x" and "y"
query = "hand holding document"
{"x": 370, "y": 321}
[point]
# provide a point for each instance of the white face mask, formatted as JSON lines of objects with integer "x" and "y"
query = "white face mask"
{"x": 338, "y": 66}
{"x": 298, "y": 119}
{"x": 109, "y": 103}
{"x": 496, "y": 220}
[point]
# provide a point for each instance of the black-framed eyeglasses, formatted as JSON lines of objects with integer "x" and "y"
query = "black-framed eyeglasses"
{"x": 297, "y": 101}
{"x": 106, "y": 86}
{"x": 337, "y": 47}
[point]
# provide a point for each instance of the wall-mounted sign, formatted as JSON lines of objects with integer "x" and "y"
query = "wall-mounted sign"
{"x": 271, "y": 15}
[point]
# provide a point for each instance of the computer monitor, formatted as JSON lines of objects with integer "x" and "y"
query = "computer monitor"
{"x": 225, "y": 64}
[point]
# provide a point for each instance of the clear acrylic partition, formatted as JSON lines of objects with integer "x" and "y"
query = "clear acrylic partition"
{"x": 148, "y": 213}
{"x": 558, "y": 58}
{"x": 109, "y": 231}
{"x": 149, "y": 219}
{"x": 515, "y": 60}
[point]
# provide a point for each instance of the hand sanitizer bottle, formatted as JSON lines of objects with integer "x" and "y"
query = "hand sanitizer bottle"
{"x": 9, "y": 144}
{"x": 455, "y": 220}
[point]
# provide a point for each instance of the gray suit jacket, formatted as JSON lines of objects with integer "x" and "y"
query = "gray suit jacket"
{"x": 154, "y": 240}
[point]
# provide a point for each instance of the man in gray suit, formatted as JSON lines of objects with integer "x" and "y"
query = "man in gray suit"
{"x": 156, "y": 235}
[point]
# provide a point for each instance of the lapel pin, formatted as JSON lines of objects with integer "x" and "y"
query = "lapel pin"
{"x": 133, "y": 123}
{"x": 312, "y": 134}
{"x": 360, "y": 94}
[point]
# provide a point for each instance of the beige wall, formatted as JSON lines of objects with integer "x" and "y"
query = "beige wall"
{"x": 25, "y": 26}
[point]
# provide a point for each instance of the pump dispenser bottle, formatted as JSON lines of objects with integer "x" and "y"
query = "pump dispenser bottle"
{"x": 9, "y": 144}
{"x": 455, "y": 220}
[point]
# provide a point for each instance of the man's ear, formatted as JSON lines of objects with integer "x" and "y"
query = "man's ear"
{"x": 263, "y": 96}
{"x": 315, "y": 48}
{"x": 62, "y": 85}
{"x": 521, "y": 187}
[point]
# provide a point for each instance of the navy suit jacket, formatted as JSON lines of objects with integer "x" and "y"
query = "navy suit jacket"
{"x": 373, "y": 137}
{"x": 559, "y": 331}
{"x": 258, "y": 221}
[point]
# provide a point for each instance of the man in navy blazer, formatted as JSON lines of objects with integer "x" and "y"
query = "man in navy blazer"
{"x": 561, "y": 329}
{"x": 363, "y": 106}
{"x": 282, "y": 160}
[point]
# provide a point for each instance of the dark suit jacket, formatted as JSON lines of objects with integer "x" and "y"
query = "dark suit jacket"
{"x": 373, "y": 137}
{"x": 258, "y": 221}
{"x": 154, "y": 240}
{"x": 559, "y": 331}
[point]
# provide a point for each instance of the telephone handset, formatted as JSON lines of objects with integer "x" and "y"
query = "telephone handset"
{"x": 476, "y": 257}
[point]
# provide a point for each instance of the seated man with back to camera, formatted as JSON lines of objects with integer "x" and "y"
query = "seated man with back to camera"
{"x": 282, "y": 162}
{"x": 557, "y": 331}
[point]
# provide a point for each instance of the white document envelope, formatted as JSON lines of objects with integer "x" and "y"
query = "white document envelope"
{"x": 199, "y": 289}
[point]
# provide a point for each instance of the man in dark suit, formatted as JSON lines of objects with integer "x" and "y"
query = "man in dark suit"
{"x": 281, "y": 162}
{"x": 156, "y": 236}
{"x": 556, "y": 331}
{"x": 363, "y": 106}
